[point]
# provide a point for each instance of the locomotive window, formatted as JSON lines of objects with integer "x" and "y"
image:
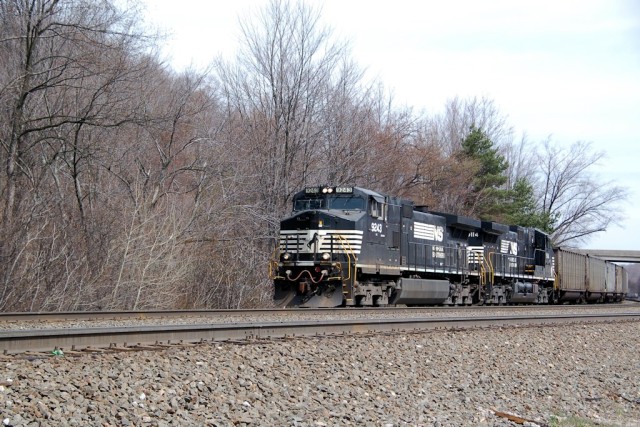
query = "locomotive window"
{"x": 377, "y": 209}
{"x": 346, "y": 203}
{"x": 308, "y": 204}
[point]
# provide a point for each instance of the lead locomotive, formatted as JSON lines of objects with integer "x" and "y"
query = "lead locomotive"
{"x": 356, "y": 247}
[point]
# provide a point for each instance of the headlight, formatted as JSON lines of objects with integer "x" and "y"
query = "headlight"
{"x": 286, "y": 256}
{"x": 326, "y": 256}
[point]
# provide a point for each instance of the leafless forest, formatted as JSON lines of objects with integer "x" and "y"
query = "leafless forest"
{"x": 128, "y": 185}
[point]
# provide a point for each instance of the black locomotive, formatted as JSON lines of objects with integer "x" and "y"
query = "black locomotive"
{"x": 356, "y": 247}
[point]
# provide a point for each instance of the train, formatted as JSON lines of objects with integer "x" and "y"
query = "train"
{"x": 351, "y": 246}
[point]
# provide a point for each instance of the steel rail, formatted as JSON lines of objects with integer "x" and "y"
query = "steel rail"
{"x": 54, "y": 316}
{"x": 125, "y": 337}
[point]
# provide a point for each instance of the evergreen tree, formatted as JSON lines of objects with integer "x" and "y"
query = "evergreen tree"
{"x": 487, "y": 198}
{"x": 522, "y": 209}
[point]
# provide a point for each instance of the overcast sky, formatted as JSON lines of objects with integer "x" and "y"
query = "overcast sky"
{"x": 569, "y": 69}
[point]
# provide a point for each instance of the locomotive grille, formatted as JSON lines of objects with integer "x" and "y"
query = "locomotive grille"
{"x": 475, "y": 254}
{"x": 317, "y": 241}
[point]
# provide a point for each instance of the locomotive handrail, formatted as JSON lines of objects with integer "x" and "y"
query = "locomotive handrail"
{"x": 453, "y": 260}
{"x": 521, "y": 262}
{"x": 456, "y": 258}
{"x": 476, "y": 257}
{"x": 346, "y": 246}
{"x": 483, "y": 278}
{"x": 273, "y": 263}
{"x": 491, "y": 268}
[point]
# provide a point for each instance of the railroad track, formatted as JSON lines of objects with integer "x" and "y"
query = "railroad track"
{"x": 181, "y": 314}
{"x": 75, "y": 341}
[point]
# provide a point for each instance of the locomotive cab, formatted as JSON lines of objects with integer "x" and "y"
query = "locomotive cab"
{"x": 320, "y": 244}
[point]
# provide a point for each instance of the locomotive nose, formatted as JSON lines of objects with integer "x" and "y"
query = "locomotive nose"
{"x": 310, "y": 220}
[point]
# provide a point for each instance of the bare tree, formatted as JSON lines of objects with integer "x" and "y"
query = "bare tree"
{"x": 519, "y": 155}
{"x": 275, "y": 95}
{"x": 573, "y": 195}
{"x": 344, "y": 128}
{"x": 65, "y": 77}
{"x": 275, "y": 89}
{"x": 460, "y": 115}
{"x": 435, "y": 180}
{"x": 120, "y": 178}
{"x": 149, "y": 258}
{"x": 446, "y": 176}
{"x": 63, "y": 61}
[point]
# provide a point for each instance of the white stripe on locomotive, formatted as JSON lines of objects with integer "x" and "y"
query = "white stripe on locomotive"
{"x": 311, "y": 241}
{"x": 428, "y": 231}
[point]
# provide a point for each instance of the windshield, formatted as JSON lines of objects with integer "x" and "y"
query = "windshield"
{"x": 308, "y": 204}
{"x": 349, "y": 203}
{"x": 345, "y": 203}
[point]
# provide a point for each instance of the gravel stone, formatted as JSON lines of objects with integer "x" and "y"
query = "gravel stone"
{"x": 437, "y": 378}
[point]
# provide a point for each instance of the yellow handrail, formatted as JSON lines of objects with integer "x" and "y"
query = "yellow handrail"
{"x": 346, "y": 246}
{"x": 273, "y": 263}
{"x": 491, "y": 269}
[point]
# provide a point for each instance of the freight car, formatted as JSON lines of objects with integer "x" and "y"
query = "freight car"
{"x": 583, "y": 278}
{"x": 356, "y": 247}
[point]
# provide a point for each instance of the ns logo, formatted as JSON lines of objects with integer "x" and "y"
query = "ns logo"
{"x": 439, "y": 234}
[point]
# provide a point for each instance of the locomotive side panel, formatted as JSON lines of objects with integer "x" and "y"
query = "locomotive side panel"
{"x": 507, "y": 262}
{"x": 427, "y": 244}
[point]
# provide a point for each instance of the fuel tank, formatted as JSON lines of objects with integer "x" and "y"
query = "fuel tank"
{"x": 421, "y": 291}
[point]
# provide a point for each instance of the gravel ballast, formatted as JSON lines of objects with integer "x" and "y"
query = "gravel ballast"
{"x": 545, "y": 375}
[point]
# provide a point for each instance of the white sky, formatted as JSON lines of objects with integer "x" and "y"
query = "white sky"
{"x": 570, "y": 69}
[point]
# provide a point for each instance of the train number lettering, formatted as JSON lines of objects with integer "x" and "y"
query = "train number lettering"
{"x": 376, "y": 227}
